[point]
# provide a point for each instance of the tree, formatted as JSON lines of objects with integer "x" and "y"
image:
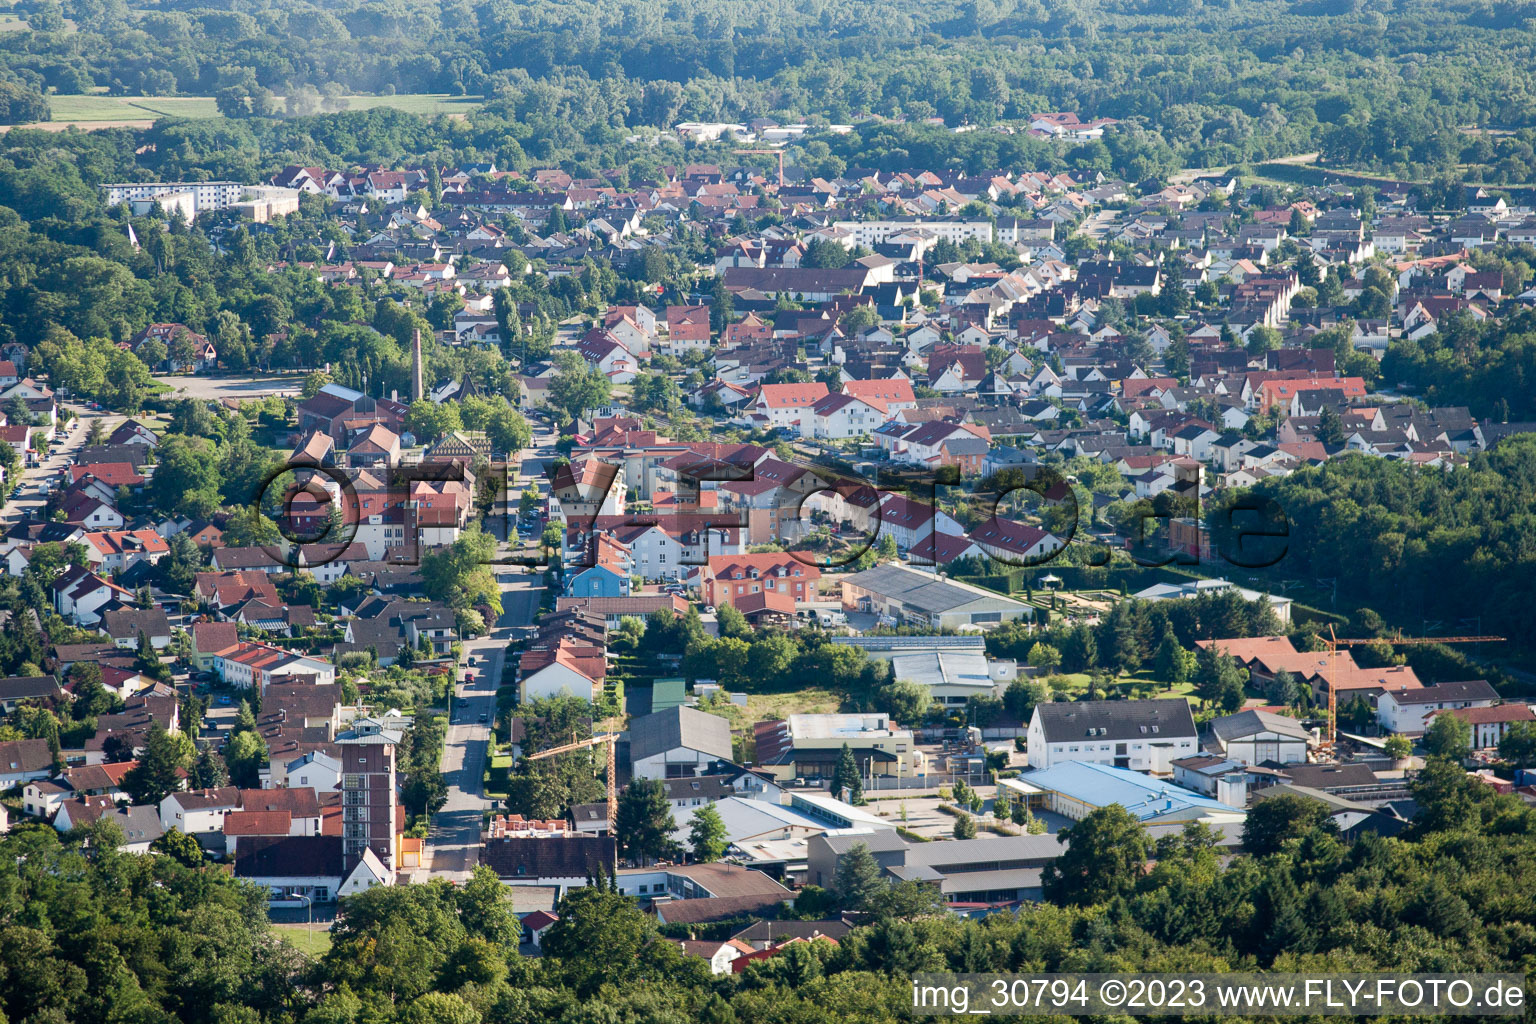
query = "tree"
{"x": 460, "y": 575}
{"x": 1172, "y": 663}
{"x": 905, "y": 901}
{"x": 1450, "y": 737}
{"x": 1218, "y": 679}
{"x": 1263, "y": 339}
{"x": 209, "y": 770}
{"x": 486, "y": 910}
{"x": 313, "y": 382}
{"x": 1289, "y": 690}
{"x": 845, "y": 773}
{"x": 644, "y": 826}
{"x": 906, "y": 701}
{"x": 730, "y": 622}
{"x": 655, "y": 392}
{"x": 1105, "y": 855}
{"x": 1021, "y": 696}
{"x": 245, "y": 755}
{"x": 1276, "y": 821}
{"x": 598, "y": 938}
{"x": 1447, "y": 798}
{"x": 157, "y": 775}
{"x": 1518, "y": 746}
{"x": 965, "y": 826}
{"x": 430, "y": 420}
{"x": 179, "y": 846}
{"x": 1044, "y": 657}
{"x": 1330, "y": 427}
{"x": 858, "y": 878}
{"x": 577, "y": 387}
{"x": 1397, "y": 746}
{"x": 826, "y": 254}
{"x": 425, "y": 790}
{"x": 707, "y": 834}
{"x": 440, "y": 1008}
{"x": 722, "y": 307}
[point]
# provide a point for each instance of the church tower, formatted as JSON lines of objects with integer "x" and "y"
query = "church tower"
{"x": 417, "y": 393}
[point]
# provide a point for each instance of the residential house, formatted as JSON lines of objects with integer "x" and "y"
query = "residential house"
{"x": 1142, "y": 735}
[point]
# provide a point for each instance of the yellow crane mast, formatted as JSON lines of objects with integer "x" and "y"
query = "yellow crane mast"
{"x": 1335, "y": 642}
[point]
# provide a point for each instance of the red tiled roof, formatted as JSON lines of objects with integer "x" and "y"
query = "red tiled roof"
{"x": 789, "y": 396}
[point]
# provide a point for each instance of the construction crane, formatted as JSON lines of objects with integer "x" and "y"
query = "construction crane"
{"x": 769, "y": 152}
{"x": 612, "y": 741}
{"x": 1335, "y": 642}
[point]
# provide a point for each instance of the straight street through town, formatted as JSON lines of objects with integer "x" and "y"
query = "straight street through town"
{"x": 453, "y": 844}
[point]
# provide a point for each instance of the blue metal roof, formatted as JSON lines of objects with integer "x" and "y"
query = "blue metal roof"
{"x": 1100, "y": 784}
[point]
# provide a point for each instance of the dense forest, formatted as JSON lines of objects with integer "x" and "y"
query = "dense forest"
{"x": 94, "y": 936}
{"x": 1416, "y": 545}
{"x": 1377, "y": 84}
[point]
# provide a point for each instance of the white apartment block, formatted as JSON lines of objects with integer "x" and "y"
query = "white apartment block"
{"x": 870, "y": 233}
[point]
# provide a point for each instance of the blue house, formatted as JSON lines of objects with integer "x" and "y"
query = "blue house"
{"x": 597, "y": 581}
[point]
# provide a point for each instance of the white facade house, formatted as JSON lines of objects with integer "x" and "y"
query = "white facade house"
{"x": 1408, "y": 711}
{"x": 560, "y": 677}
{"x": 205, "y": 195}
{"x": 1142, "y": 735}
{"x": 316, "y": 770}
{"x": 838, "y": 416}
{"x": 870, "y": 233}
{"x": 252, "y": 664}
{"x": 198, "y": 810}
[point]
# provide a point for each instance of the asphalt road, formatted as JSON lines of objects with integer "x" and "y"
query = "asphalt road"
{"x": 453, "y": 844}
{"x": 454, "y": 841}
{"x": 60, "y": 455}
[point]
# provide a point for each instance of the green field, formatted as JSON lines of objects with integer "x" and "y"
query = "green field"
{"x": 99, "y": 108}
{"x": 312, "y": 940}
{"x": 129, "y": 108}
{"x": 425, "y": 103}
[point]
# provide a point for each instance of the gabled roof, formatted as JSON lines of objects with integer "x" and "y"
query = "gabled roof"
{"x": 1146, "y": 720}
{"x": 1254, "y": 721}
{"x": 25, "y": 756}
{"x": 1472, "y": 689}
{"x": 679, "y": 727}
{"x": 289, "y": 857}
{"x": 790, "y": 396}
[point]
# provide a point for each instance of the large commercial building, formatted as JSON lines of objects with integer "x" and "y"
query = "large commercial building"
{"x": 1076, "y": 789}
{"x": 913, "y": 597}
